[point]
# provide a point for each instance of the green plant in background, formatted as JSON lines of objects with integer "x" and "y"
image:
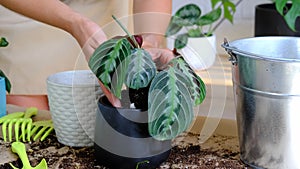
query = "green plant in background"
{"x": 172, "y": 92}
{"x": 290, "y": 15}
{"x": 4, "y": 43}
{"x": 197, "y": 24}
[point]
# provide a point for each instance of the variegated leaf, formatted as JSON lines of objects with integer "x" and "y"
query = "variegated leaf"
{"x": 109, "y": 63}
{"x": 170, "y": 105}
{"x": 187, "y": 15}
{"x": 196, "y": 85}
{"x": 173, "y": 27}
{"x": 141, "y": 69}
{"x": 181, "y": 41}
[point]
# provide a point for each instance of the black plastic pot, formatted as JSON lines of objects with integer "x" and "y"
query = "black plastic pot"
{"x": 268, "y": 22}
{"x": 122, "y": 140}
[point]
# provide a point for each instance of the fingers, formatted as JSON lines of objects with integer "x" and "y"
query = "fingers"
{"x": 111, "y": 98}
{"x": 92, "y": 43}
{"x": 161, "y": 56}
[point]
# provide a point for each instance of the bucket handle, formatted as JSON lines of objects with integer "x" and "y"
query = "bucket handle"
{"x": 233, "y": 59}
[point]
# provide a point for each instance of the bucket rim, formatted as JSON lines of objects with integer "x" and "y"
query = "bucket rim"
{"x": 232, "y": 49}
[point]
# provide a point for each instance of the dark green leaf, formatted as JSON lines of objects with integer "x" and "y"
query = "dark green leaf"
{"x": 210, "y": 17}
{"x": 187, "y": 15}
{"x": 109, "y": 63}
{"x": 141, "y": 69}
{"x": 173, "y": 27}
{"x": 7, "y": 82}
{"x": 181, "y": 41}
{"x": 214, "y": 3}
{"x": 170, "y": 105}
{"x": 195, "y": 33}
{"x": 280, "y": 5}
{"x": 3, "y": 42}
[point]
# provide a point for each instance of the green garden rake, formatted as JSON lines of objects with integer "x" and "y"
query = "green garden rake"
{"x": 28, "y": 128}
{"x": 41, "y": 129}
{"x": 18, "y": 119}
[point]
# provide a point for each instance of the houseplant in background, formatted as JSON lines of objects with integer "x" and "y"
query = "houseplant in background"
{"x": 192, "y": 32}
{"x": 4, "y": 43}
{"x": 5, "y": 85}
{"x": 124, "y": 137}
{"x": 279, "y": 18}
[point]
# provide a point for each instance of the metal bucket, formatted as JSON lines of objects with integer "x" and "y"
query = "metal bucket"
{"x": 266, "y": 83}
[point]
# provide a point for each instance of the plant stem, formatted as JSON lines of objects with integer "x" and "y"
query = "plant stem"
{"x": 141, "y": 162}
{"x": 126, "y": 31}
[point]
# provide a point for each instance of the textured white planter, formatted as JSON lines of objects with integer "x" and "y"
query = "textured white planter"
{"x": 73, "y": 99}
{"x": 200, "y": 53}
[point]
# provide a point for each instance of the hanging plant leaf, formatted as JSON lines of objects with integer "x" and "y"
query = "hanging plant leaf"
{"x": 292, "y": 15}
{"x": 170, "y": 105}
{"x": 141, "y": 69}
{"x": 214, "y": 3}
{"x": 3, "y": 42}
{"x": 181, "y": 41}
{"x": 7, "y": 82}
{"x": 196, "y": 85}
{"x": 280, "y": 5}
{"x": 229, "y": 9}
{"x": 109, "y": 63}
{"x": 173, "y": 27}
{"x": 187, "y": 15}
{"x": 195, "y": 33}
{"x": 210, "y": 17}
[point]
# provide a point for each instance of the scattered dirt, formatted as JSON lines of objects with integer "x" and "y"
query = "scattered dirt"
{"x": 218, "y": 152}
{"x": 194, "y": 157}
{"x": 184, "y": 154}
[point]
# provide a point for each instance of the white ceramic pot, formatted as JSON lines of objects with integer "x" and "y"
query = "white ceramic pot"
{"x": 200, "y": 53}
{"x": 73, "y": 99}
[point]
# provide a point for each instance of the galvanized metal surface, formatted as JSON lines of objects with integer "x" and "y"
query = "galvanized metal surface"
{"x": 266, "y": 81}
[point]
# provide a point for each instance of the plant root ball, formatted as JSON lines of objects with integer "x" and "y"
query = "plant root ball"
{"x": 139, "y": 97}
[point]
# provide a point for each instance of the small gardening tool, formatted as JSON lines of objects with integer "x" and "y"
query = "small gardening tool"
{"x": 20, "y": 149}
{"x": 46, "y": 127}
{"x": 18, "y": 119}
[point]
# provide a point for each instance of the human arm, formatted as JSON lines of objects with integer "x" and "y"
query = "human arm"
{"x": 151, "y": 19}
{"x": 57, "y": 14}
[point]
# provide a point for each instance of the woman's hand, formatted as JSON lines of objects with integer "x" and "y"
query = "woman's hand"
{"x": 154, "y": 44}
{"x": 89, "y": 36}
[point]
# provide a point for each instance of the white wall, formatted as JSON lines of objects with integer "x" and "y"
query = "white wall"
{"x": 244, "y": 10}
{"x": 243, "y": 26}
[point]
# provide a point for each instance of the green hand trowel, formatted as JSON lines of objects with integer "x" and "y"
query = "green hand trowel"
{"x": 20, "y": 149}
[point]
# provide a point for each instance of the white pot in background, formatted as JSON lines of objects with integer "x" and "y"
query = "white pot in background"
{"x": 200, "y": 52}
{"x": 73, "y": 97}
